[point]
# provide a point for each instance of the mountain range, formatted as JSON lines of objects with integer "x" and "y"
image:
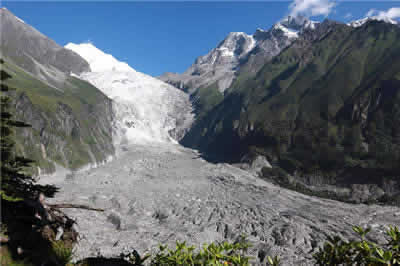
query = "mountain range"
{"x": 238, "y": 49}
{"x": 212, "y": 154}
{"x": 325, "y": 109}
{"x": 81, "y": 102}
{"x": 317, "y": 101}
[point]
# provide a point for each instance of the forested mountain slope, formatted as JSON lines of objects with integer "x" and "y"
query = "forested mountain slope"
{"x": 329, "y": 102}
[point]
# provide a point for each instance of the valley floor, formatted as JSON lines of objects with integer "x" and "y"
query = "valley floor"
{"x": 165, "y": 193}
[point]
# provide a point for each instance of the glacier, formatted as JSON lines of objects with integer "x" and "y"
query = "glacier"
{"x": 146, "y": 109}
{"x": 159, "y": 192}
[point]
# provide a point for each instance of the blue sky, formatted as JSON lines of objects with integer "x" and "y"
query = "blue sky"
{"x": 155, "y": 37}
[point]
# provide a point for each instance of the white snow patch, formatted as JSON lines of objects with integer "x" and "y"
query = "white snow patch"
{"x": 20, "y": 20}
{"x": 360, "y": 22}
{"x": 226, "y": 52}
{"x": 311, "y": 24}
{"x": 290, "y": 33}
{"x": 252, "y": 44}
{"x": 97, "y": 59}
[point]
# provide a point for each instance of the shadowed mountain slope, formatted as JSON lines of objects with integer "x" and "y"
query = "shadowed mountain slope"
{"x": 330, "y": 101}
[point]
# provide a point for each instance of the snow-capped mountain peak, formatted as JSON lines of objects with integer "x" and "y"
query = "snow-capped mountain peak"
{"x": 220, "y": 65}
{"x": 360, "y": 22}
{"x": 291, "y": 26}
{"x": 97, "y": 59}
{"x": 236, "y": 44}
{"x": 290, "y": 33}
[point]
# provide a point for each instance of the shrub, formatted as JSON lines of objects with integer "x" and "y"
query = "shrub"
{"x": 62, "y": 252}
{"x": 211, "y": 254}
{"x": 362, "y": 252}
{"x": 215, "y": 254}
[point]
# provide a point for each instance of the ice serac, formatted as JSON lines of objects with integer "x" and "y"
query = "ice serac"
{"x": 146, "y": 109}
{"x": 238, "y": 50}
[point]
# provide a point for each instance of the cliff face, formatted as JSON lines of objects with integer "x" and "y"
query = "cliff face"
{"x": 71, "y": 119}
{"x": 70, "y": 128}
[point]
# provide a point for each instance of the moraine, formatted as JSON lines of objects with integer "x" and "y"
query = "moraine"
{"x": 164, "y": 192}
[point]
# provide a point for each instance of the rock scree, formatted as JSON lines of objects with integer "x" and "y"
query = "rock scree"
{"x": 164, "y": 193}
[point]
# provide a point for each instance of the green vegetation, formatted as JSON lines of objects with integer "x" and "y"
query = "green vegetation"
{"x": 213, "y": 254}
{"x": 329, "y": 107}
{"x": 69, "y": 122}
{"x": 218, "y": 254}
{"x": 205, "y": 99}
{"x": 63, "y": 252}
{"x": 17, "y": 188}
{"x": 42, "y": 252}
{"x": 336, "y": 251}
{"x": 15, "y": 183}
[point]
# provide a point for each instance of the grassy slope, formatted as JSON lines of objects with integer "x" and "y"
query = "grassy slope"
{"x": 205, "y": 99}
{"x": 81, "y": 97}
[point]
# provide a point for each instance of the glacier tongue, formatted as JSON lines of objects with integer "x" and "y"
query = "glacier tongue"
{"x": 146, "y": 109}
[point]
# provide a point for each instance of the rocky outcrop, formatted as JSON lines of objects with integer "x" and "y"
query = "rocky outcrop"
{"x": 64, "y": 137}
{"x": 35, "y": 53}
{"x": 236, "y": 52}
{"x": 164, "y": 193}
{"x": 218, "y": 66}
{"x": 354, "y": 190}
{"x": 71, "y": 119}
{"x": 313, "y": 109}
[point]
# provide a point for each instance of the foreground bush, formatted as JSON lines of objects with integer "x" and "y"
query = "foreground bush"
{"x": 211, "y": 254}
{"x": 336, "y": 251}
{"x": 216, "y": 254}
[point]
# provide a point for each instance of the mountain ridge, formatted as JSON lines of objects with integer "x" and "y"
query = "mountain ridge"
{"x": 71, "y": 119}
{"x": 221, "y": 63}
{"x": 36, "y": 53}
{"x": 318, "y": 90}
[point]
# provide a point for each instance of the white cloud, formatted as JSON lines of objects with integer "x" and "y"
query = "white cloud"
{"x": 311, "y": 8}
{"x": 348, "y": 16}
{"x": 391, "y": 13}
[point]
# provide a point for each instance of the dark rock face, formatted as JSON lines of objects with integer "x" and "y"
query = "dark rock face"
{"x": 37, "y": 54}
